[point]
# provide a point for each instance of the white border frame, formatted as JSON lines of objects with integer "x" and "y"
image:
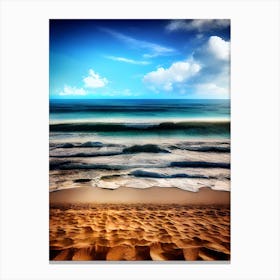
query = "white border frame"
{"x": 255, "y": 138}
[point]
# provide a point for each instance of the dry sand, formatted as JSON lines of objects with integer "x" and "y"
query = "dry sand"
{"x": 197, "y": 227}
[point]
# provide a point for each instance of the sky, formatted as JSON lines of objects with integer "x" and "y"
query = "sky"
{"x": 140, "y": 59}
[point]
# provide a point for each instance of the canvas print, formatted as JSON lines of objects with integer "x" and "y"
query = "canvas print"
{"x": 139, "y": 140}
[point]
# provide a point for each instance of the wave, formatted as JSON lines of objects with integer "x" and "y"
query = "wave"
{"x": 116, "y": 150}
{"x": 200, "y": 164}
{"x": 68, "y": 165}
{"x": 119, "y": 150}
{"x": 91, "y": 144}
{"x": 85, "y": 155}
{"x": 148, "y": 148}
{"x": 88, "y": 144}
{"x": 206, "y": 149}
{"x": 147, "y": 174}
{"x": 132, "y": 150}
{"x": 191, "y": 127}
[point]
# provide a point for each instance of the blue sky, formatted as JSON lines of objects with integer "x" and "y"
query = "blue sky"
{"x": 139, "y": 59}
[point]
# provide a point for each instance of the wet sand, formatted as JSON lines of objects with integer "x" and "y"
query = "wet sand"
{"x": 136, "y": 195}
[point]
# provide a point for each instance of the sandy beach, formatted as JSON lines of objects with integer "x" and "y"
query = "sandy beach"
{"x": 149, "y": 183}
{"x": 128, "y": 224}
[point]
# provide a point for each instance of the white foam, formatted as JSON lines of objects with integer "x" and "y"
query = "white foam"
{"x": 186, "y": 184}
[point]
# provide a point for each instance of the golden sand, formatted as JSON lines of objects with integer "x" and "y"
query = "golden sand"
{"x": 137, "y": 232}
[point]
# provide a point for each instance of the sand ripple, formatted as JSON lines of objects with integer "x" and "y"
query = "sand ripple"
{"x": 139, "y": 232}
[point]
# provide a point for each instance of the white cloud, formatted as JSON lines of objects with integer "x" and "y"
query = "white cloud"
{"x": 94, "y": 80}
{"x": 207, "y": 72}
{"x": 218, "y": 47}
{"x": 177, "y": 73}
{"x": 214, "y": 57}
{"x": 68, "y": 90}
{"x": 127, "y": 60}
{"x": 200, "y": 25}
{"x": 154, "y": 49}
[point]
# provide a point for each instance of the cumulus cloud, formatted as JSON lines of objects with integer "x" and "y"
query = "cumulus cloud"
{"x": 93, "y": 80}
{"x": 153, "y": 48}
{"x": 165, "y": 79}
{"x": 199, "y": 25}
{"x": 214, "y": 56}
{"x": 218, "y": 47}
{"x": 207, "y": 72}
{"x": 68, "y": 90}
{"x": 127, "y": 60}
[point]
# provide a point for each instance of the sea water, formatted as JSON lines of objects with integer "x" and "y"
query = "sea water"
{"x": 164, "y": 118}
{"x": 140, "y": 143}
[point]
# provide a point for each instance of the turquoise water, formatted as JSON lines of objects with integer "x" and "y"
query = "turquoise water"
{"x": 128, "y": 118}
{"x": 130, "y": 109}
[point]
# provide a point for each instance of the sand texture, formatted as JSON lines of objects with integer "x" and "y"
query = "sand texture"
{"x": 138, "y": 232}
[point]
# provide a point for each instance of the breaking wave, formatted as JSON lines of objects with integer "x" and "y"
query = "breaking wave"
{"x": 191, "y": 127}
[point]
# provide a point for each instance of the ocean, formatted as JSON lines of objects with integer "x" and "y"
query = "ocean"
{"x": 140, "y": 144}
